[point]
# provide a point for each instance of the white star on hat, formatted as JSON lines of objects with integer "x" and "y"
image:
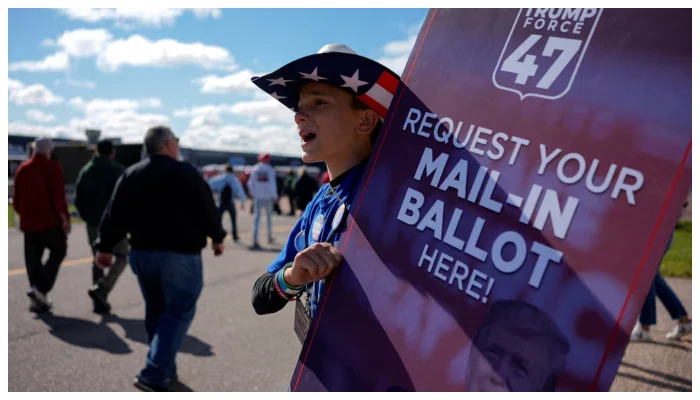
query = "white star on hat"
{"x": 279, "y": 81}
{"x": 313, "y": 75}
{"x": 353, "y": 82}
{"x": 277, "y": 97}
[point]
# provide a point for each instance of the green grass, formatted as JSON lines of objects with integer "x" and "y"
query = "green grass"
{"x": 679, "y": 261}
{"x": 11, "y": 214}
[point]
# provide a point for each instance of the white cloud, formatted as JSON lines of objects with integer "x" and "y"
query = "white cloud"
{"x": 84, "y": 42}
{"x": 48, "y": 43}
{"x": 14, "y": 85}
{"x": 129, "y": 18}
{"x": 22, "y": 128}
{"x": 140, "y": 51}
{"x": 38, "y": 115}
{"x": 238, "y": 82}
{"x": 126, "y": 124}
{"x": 21, "y": 94}
{"x": 83, "y": 84}
{"x": 113, "y": 105}
{"x": 55, "y": 62}
{"x": 264, "y": 111}
{"x": 259, "y": 111}
{"x": 203, "y": 13}
{"x": 396, "y": 53}
{"x": 276, "y": 139}
{"x": 202, "y": 111}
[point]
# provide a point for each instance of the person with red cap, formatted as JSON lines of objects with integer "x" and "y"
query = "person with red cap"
{"x": 262, "y": 187}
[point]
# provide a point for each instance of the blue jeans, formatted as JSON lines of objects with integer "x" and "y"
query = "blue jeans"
{"x": 261, "y": 204}
{"x": 660, "y": 288}
{"x": 171, "y": 284}
{"x": 231, "y": 208}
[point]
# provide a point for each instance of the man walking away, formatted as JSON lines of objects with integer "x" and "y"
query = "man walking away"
{"x": 289, "y": 182}
{"x": 169, "y": 211}
{"x": 305, "y": 189}
{"x": 228, "y": 185}
{"x": 94, "y": 187}
{"x": 40, "y": 200}
{"x": 263, "y": 188}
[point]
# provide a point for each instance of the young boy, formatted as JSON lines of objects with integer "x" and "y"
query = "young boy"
{"x": 340, "y": 100}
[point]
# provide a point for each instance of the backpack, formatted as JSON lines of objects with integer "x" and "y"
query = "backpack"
{"x": 226, "y": 195}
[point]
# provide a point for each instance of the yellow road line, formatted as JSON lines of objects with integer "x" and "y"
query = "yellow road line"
{"x": 88, "y": 260}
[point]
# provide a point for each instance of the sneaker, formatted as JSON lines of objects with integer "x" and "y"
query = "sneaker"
{"x": 255, "y": 246}
{"x": 680, "y": 330}
{"x": 37, "y": 308}
{"x": 271, "y": 240}
{"x": 99, "y": 299}
{"x": 147, "y": 387}
{"x": 40, "y": 298}
{"x": 640, "y": 335}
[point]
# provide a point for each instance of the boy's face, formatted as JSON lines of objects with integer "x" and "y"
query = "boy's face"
{"x": 326, "y": 121}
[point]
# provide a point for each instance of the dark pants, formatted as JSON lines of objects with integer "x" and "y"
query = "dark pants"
{"x": 171, "y": 284}
{"x": 120, "y": 252}
{"x": 292, "y": 203}
{"x": 231, "y": 208}
{"x": 673, "y": 305}
{"x": 41, "y": 275}
{"x": 660, "y": 288}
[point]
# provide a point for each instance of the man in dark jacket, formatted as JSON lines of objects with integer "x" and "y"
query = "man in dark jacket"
{"x": 169, "y": 211}
{"x": 95, "y": 184}
{"x": 40, "y": 200}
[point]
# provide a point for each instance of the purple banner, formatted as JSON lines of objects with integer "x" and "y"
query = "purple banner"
{"x": 516, "y": 207}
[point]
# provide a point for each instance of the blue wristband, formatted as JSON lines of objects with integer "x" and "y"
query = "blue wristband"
{"x": 283, "y": 285}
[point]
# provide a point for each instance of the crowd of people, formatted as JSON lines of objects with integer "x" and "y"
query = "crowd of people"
{"x": 156, "y": 217}
{"x": 168, "y": 212}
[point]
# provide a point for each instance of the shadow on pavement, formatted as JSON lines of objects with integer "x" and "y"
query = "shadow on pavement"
{"x": 136, "y": 331}
{"x": 178, "y": 386}
{"x": 656, "y": 383}
{"x": 265, "y": 250}
{"x": 668, "y": 377}
{"x": 84, "y": 333}
{"x": 666, "y": 344}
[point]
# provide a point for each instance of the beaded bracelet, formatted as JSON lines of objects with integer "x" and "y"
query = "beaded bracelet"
{"x": 282, "y": 294}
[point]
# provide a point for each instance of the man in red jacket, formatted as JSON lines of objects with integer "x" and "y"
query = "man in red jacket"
{"x": 40, "y": 200}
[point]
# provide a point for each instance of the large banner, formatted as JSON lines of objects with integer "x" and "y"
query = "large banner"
{"x": 516, "y": 208}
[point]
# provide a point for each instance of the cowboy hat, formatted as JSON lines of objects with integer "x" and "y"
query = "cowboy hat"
{"x": 338, "y": 65}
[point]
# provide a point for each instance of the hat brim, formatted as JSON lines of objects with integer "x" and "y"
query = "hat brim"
{"x": 371, "y": 82}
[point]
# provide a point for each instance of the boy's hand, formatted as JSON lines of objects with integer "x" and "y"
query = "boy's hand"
{"x": 103, "y": 260}
{"x": 218, "y": 249}
{"x": 313, "y": 264}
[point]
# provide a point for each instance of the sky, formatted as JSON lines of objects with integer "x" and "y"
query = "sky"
{"x": 122, "y": 71}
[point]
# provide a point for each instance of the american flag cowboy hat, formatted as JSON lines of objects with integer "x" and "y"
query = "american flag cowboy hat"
{"x": 337, "y": 65}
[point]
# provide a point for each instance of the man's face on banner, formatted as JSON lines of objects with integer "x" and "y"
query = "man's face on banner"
{"x": 503, "y": 360}
{"x": 518, "y": 348}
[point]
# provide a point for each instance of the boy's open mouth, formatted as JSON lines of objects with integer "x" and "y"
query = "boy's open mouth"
{"x": 306, "y": 137}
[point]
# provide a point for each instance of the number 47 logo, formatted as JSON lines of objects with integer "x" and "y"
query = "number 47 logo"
{"x": 529, "y": 74}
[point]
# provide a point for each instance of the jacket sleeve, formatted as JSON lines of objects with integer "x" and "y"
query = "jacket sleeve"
{"x": 212, "y": 221}
{"x": 113, "y": 226}
{"x": 273, "y": 183}
{"x": 238, "y": 188}
{"x": 80, "y": 192}
{"x": 265, "y": 298}
{"x": 58, "y": 190}
{"x": 16, "y": 198}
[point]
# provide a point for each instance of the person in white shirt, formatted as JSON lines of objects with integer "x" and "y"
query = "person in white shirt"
{"x": 262, "y": 187}
{"x": 228, "y": 186}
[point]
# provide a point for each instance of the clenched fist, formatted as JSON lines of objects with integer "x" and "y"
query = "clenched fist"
{"x": 313, "y": 264}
